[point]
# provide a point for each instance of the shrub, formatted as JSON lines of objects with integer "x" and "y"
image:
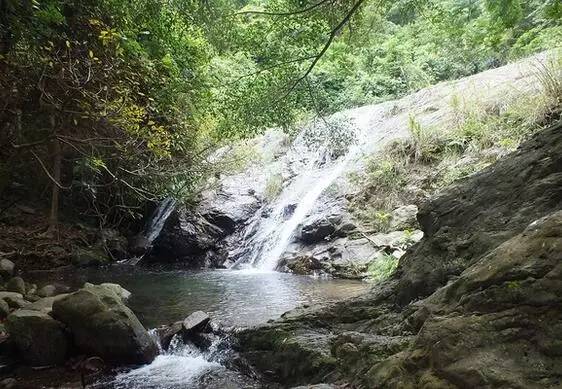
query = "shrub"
{"x": 382, "y": 267}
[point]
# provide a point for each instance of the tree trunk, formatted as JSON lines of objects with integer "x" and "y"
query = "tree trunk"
{"x": 56, "y": 173}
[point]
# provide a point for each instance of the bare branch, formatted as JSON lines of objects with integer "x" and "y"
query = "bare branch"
{"x": 288, "y": 13}
{"x": 327, "y": 45}
{"x": 47, "y": 172}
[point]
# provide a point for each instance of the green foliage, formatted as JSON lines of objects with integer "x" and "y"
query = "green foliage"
{"x": 382, "y": 267}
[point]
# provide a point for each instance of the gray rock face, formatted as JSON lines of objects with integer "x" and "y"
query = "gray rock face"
{"x": 6, "y": 268}
{"x": 102, "y": 325}
{"x": 348, "y": 258}
{"x": 39, "y": 339}
{"x": 479, "y": 213}
{"x": 489, "y": 267}
{"x": 190, "y": 239}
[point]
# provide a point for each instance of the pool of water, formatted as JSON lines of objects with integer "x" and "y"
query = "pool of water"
{"x": 239, "y": 298}
{"x": 233, "y": 297}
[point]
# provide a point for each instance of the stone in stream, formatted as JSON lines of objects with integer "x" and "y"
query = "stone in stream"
{"x": 102, "y": 325}
{"x": 47, "y": 291}
{"x": 40, "y": 340}
{"x": 6, "y": 268}
{"x": 196, "y": 322}
{"x": 17, "y": 285}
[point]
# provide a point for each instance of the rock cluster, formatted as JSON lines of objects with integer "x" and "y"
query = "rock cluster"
{"x": 46, "y": 327}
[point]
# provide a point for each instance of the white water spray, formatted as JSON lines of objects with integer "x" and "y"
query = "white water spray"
{"x": 288, "y": 229}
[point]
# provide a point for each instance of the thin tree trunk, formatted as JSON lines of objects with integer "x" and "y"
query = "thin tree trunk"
{"x": 56, "y": 173}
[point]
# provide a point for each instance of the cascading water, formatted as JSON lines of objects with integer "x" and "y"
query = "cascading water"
{"x": 154, "y": 226}
{"x": 303, "y": 208}
{"x": 158, "y": 218}
{"x": 311, "y": 171}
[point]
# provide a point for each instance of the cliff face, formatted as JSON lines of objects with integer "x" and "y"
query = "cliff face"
{"x": 476, "y": 303}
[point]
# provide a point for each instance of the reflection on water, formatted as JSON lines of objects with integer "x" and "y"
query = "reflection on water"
{"x": 234, "y": 297}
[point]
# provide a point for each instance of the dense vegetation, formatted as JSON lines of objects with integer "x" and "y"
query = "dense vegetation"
{"x": 106, "y": 105}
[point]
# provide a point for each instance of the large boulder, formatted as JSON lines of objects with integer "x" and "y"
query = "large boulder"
{"x": 497, "y": 325}
{"x": 318, "y": 228}
{"x": 39, "y": 339}
{"x": 102, "y": 325}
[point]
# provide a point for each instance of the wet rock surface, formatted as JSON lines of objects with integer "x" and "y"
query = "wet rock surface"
{"x": 476, "y": 303}
{"x": 102, "y": 325}
{"x": 39, "y": 339}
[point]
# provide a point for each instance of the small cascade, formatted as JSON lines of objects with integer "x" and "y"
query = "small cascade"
{"x": 156, "y": 221}
{"x": 153, "y": 227}
{"x": 178, "y": 367}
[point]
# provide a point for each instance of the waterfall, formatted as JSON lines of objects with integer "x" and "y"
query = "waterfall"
{"x": 156, "y": 221}
{"x": 303, "y": 208}
{"x": 309, "y": 169}
{"x": 153, "y": 227}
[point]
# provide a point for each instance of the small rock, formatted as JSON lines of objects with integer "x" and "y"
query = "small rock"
{"x": 8, "y": 383}
{"x": 196, "y": 322}
{"x": 6, "y": 268}
{"x": 30, "y": 289}
{"x": 39, "y": 339}
{"x": 17, "y": 285}
{"x": 91, "y": 257}
{"x": 47, "y": 291}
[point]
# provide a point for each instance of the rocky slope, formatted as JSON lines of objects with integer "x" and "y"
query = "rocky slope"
{"x": 242, "y": 217}
{"x": 476, "y": 303}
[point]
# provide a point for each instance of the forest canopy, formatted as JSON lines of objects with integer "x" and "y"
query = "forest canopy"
{"x": 108, "y": 104}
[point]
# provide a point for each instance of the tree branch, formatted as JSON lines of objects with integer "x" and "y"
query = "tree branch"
{"x": 288, "y": 13}
{"x": 47, "y": 172}
{"x": 327, "y": 45}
